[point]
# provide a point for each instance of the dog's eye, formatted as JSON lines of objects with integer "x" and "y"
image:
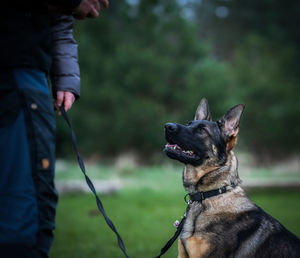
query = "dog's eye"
{"x": 201, "y": 130}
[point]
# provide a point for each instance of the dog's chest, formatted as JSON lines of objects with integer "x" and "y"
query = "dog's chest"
{"x": 195, "y": 217}
{"x": 211, "y": 215}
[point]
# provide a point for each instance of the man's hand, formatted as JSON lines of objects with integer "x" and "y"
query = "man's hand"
{"x": 65, "y": 97}
{"x": 89, "y": 8}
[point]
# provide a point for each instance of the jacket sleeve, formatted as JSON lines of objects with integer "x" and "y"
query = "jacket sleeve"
{"x": 67, "y": 4}
{"x": 64, "y": 72}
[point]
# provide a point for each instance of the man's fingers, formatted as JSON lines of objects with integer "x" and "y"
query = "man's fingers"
{"x": 69, "y": 100}
{"x": 59, "y": 98}
{"x": 89, "y": 8}
{"x": 68, "y": 104}
{"x": 93, "y": 13}
{"x": 105, "y": 3}
{"x": 97, "y": 6}
{"x": 95, "y": 9}
{"x": 65, "y": 97}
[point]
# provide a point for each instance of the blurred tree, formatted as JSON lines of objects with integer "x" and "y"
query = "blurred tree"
{"x": 135, "y": 64}
{"x": 147, "y": 62}
{"x": 270, "y": 90}
{"x": 260, "y": 41}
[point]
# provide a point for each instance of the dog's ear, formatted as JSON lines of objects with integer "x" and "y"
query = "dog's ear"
{"x": 230, "y": 124}
{"x": 202, "y": 112}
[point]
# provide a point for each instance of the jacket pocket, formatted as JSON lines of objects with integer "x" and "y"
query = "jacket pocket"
{"x": 41, "y": 130}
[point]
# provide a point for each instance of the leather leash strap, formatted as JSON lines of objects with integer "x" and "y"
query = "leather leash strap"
{"x": 90, "y": 184}
{"x": 172, "y": 240}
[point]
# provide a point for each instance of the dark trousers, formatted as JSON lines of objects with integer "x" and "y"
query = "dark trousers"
{"x": 27, "y": 154}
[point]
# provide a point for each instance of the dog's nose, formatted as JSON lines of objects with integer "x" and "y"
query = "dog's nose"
{"x": 170, "y": 127}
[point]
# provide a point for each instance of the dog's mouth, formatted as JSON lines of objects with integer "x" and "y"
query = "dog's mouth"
{"x": 178, "y": 150}
{"x": 174, "y": 151}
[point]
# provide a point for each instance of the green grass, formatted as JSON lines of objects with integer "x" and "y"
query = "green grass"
{"x": 282, "y": 204}
{"x": 144, "y": 212}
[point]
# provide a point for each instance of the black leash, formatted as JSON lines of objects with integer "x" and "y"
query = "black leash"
{"x": 198, "y": 197}
{"x": 172, "y": 240}
{"x": 90, "y": 184}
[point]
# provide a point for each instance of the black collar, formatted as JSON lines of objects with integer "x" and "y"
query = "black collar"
{"x": 200, "y": 196}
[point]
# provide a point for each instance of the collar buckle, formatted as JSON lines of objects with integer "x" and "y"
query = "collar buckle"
{"x": 202, "y": 196}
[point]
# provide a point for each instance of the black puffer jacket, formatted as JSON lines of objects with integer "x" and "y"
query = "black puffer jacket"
{"x": 30, "y": 37}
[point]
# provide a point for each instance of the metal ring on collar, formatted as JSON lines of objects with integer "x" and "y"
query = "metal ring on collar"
{"x": 185, "y": 198}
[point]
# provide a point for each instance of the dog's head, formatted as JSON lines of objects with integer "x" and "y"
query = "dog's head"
{"x": 203, "y": 142}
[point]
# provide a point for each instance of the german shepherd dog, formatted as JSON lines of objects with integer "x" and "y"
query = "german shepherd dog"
{"x": 226, "y": 224}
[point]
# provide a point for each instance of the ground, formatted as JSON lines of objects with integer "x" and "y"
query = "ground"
{"x": 143, "y": 211}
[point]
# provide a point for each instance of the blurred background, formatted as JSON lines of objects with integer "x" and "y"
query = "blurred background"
{"x": 148, "y": 62}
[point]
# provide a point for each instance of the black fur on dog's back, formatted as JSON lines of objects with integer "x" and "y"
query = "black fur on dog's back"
{"x": 253, "y": 232}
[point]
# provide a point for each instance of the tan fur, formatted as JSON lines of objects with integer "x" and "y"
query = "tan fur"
{"x": 192, "y": 175}
{"x": 197, "y": 246}
{"x": 228, "y": 175}
{"x": 231, "y": 143}
{"x": 181, "y": 251}
{"x": 214, "y": 149}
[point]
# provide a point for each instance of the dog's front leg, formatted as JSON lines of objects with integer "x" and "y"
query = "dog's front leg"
{"x": 188, "y": 244}
{"x": 197, "y": 247}
{"x": 193, "y": 247}
{"x": 181, "y": 250}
